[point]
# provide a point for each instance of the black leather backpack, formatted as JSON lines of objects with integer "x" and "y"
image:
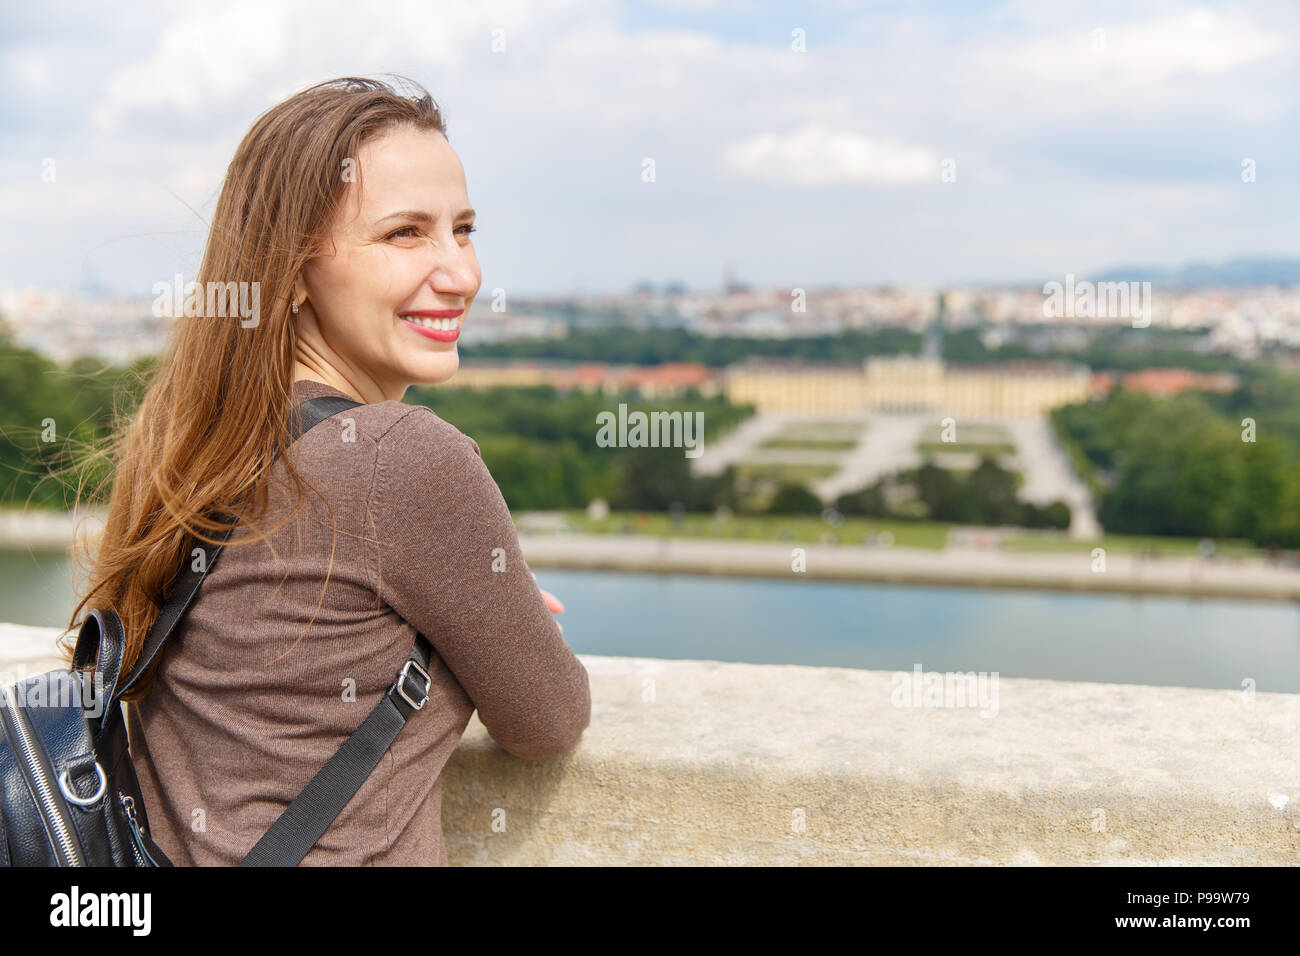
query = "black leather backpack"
{"x": 69, "y": 795}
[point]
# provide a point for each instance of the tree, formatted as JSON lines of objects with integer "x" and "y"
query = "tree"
{"x": 868, "y": 502}
{"x": 939, "y": 490}
{"x": 794, "y": 499}
{"x": 991, "y": 494}
{"x": 653, "y": 478}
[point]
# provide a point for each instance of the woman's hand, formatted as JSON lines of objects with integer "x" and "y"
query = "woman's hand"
{"x": 553, "y": 604}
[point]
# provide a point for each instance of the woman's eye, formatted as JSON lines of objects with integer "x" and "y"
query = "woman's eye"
{"x": 411, "y": 229}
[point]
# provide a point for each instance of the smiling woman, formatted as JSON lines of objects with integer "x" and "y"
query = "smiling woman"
{"x": 348, "y": 207}
{"x": 399, "y": 262}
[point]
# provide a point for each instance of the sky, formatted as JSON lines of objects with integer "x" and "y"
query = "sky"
{"x": 797, "y": 145}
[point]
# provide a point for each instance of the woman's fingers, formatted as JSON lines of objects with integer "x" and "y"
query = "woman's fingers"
{"x": 552, "y": 602}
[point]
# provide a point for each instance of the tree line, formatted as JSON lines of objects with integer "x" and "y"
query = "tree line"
{"x": 1215, "y": 465}
{"x": 987, "y": 495}
{"x": 1200, "y": 464}
{"x": 622, "y": 346}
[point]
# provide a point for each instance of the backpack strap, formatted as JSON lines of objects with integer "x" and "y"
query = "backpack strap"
{"x": 304, "y": 418}
{"x": 310, "y": 814}
{"x": 303, "y": 822}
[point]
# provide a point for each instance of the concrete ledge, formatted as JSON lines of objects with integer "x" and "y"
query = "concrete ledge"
{"x": 727, "y": 759}
{"x": 701, "y": 762}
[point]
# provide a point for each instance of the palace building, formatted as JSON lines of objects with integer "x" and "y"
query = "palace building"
{"x": 907, "y": 384}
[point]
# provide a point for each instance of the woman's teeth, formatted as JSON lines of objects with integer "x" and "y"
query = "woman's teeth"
{"x": 445, "y": 325}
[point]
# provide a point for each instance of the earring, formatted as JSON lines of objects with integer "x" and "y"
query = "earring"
{"x": 295, "y": 308}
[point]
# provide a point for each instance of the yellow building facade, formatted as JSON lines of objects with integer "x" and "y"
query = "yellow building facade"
{"x": 907, "y": 384}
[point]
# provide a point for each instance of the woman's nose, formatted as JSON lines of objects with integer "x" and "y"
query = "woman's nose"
{"x": 455, "y": 271}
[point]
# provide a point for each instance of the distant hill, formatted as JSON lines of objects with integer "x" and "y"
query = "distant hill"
{"x": 1243, "y": 271}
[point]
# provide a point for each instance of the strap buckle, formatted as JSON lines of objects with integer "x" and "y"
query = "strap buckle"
{"x": 400, "y": 686}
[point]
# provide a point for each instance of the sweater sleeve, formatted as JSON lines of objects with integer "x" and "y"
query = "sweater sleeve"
{"x": 449, "y": 562}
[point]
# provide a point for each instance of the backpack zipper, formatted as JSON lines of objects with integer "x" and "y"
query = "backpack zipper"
{"x": 36, "y": 771}
{"x": 142, "y": 855}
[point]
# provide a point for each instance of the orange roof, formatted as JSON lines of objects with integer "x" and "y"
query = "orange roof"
{"x": 1171, "y": 381}
{"x": 588, "y": 373}
{"x": 669, "y": 373}
{"x": 1101, "y": 381}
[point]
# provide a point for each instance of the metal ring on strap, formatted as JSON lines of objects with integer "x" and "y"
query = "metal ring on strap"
{"x": 413, "y": 665}
{"x": 65, "y": 785}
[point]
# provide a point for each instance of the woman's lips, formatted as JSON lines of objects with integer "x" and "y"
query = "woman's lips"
{"x": 412, "y": 321}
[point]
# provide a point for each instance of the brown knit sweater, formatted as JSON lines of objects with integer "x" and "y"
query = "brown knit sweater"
{"x": 249, "y": 701}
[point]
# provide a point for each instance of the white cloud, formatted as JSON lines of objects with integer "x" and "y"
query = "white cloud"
{"x": 1058, "y": 148}
{"x": 215, "y": 55}
{"x": 1199, "y": 42}
{"x": 817, "y": 155}
{"x": 30, "y": 68}
{"x": 1120, "y": 62}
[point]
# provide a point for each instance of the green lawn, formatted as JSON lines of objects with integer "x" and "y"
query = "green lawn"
{"x": 750, "y": 471}
{"x": 974, "y": 434}
{"x": 855, "y": 531}
{"x": 811, "y": 444}
{"x": 806, "y": 529}
{"x": 823, "y": 431}
{"x": 948, "y": 447}
{"x": 1128, "y": 543}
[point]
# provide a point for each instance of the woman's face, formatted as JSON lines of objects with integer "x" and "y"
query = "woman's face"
{"x": 400, "y": 246}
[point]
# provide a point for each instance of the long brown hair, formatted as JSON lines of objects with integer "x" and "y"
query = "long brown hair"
{"x": 215, "y": 413}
